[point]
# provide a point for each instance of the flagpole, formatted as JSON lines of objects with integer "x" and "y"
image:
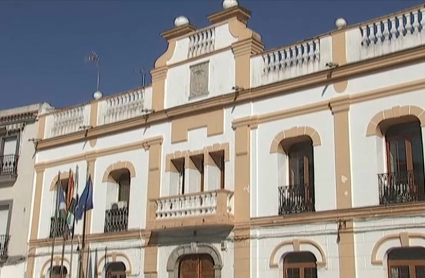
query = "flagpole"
{"x": 73, "y": 223}
{"x": 83, "y": 243}
{"x": 55, "y": 223}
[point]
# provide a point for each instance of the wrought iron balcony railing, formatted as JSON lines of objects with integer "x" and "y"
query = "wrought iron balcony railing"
{"x": 401, "y": 187}
{"x": 57, "y": 227}
{"x": 9, "y": 164}
{"x": 296, "y": 199}
{"x": 116, "y": 220}
{"x": 4, "y": 244}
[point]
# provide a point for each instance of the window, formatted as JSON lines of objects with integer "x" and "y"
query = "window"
{"x": 57, "y": 225}
{"x": 196, "y": 266}
{"x": 198, "y": 162}
{"x": 5, "y": 216}
{"x": 180, "y": 169}
{"x": 406, "y": 262}
{"x": 299, "y": 265}
{"x": 117, "y": 200}
{"x": 298, "y": 196}
{"x": 404, "y": 180}
{"x": 218, "y": 158}
{"x": 116, "y": 270}
{"x": 9, "y": 154}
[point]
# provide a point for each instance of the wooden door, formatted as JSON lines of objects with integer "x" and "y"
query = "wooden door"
{"x": 196, "y": 266}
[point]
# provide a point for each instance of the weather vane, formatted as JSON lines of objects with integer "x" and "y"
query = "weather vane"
{"x": 93, "y": 57}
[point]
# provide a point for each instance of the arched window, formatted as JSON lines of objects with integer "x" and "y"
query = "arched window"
{"x": 115, "y": 270}
{"x": 404, "y": 180}
{"x": 298, "y": 195}
{"x": 299, "y": 265}
{"x": 406, "y": 262}
{"x": 196, "y": 266}
{"x": 56, "y": 272}
{"x": 118, "y": 199}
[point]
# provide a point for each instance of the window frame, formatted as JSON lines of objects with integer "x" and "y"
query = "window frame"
{"x": 411, "y": 264}
{"x": 9, "y": 205}
{"x": 9, "y": 136}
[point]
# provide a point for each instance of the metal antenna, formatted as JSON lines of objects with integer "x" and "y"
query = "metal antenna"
{"x": 93, "y": 57}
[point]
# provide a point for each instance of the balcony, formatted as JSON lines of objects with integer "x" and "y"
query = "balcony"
{"x": 214, "y": 208}
{"x": 296, "y": 199}
{"x": 8, "y": 168}
{"x": 4, "y": 244}
{"x": 57, "y": 227}
{"x": 401, "y": 187}
{"x": 116, "y": 220}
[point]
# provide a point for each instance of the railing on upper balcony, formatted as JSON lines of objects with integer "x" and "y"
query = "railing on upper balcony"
{"x": 69, "y": 120}
{"x": 296, "y": 199}
{"x": 288, "y": 62}
{"x": 205, "y": 203}
{"x": 201, "y": 42}
{"x": 116, "y": 220}
{"x": 4, "y": 245}
{"x": 9, "y": 164}
{"x": 57, "y": 227}
{"x": 391, "y": 34}
{"x": 401, "y": 187}
{"x": 123, "y": 107}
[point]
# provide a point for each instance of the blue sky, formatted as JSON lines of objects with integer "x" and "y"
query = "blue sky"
{"x": 43, "y": 44}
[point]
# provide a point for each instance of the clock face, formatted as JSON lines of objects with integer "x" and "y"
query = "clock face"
{"x": 199, "y": 80}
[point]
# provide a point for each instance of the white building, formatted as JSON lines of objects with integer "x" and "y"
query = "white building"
{"x": 17, "y": 127}
{"x": 239, "y": 162}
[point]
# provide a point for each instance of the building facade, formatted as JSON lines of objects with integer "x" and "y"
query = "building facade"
{"x": 18, "y": 126}
{"x": 302, "y": 161}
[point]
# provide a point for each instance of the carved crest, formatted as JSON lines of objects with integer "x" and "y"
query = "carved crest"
{"x": 199, "y": 79}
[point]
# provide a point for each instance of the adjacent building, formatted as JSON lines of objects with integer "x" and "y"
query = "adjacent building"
{"x": 301, "y": 161}
{"x": 18, "y": 128}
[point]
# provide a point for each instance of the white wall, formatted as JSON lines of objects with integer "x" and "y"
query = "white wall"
{"x": 265, "y": 240}
{"x": 370, "y": 151}
{"x": 368, "y": 233}
{"x": 266, "y": 167}
{"x": 221, "y": 79}
{"x": 138, "y": 189}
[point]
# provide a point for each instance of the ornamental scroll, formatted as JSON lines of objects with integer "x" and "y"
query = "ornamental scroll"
{"x": 199, "y": 79}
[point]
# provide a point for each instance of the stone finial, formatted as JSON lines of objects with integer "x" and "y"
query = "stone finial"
{"x": 97, "y": 95}
{"x": 180, "y": 21}
{"x": 230, "y": 3}
{"x": 340, "y": 23}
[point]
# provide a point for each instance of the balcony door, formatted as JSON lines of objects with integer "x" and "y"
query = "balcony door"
{"x": 405, "y": 162}
{"x": 196, "y": 266}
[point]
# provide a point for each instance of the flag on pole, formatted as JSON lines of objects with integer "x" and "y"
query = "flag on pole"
{"x": 61, "y": 202}
{"x": 73, "y": 201}
{"x": 85, "y": 201}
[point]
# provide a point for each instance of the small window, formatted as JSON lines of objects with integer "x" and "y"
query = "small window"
{"x": 299, "y": 265}
{"x": 198, "y": 161}
{"x": 59, "y": 272}
{"x": 116, "y": 270}
{"x": 179, "y": 167}
{"x": 218, "y": 158}
{"x": 406, "y": 262}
